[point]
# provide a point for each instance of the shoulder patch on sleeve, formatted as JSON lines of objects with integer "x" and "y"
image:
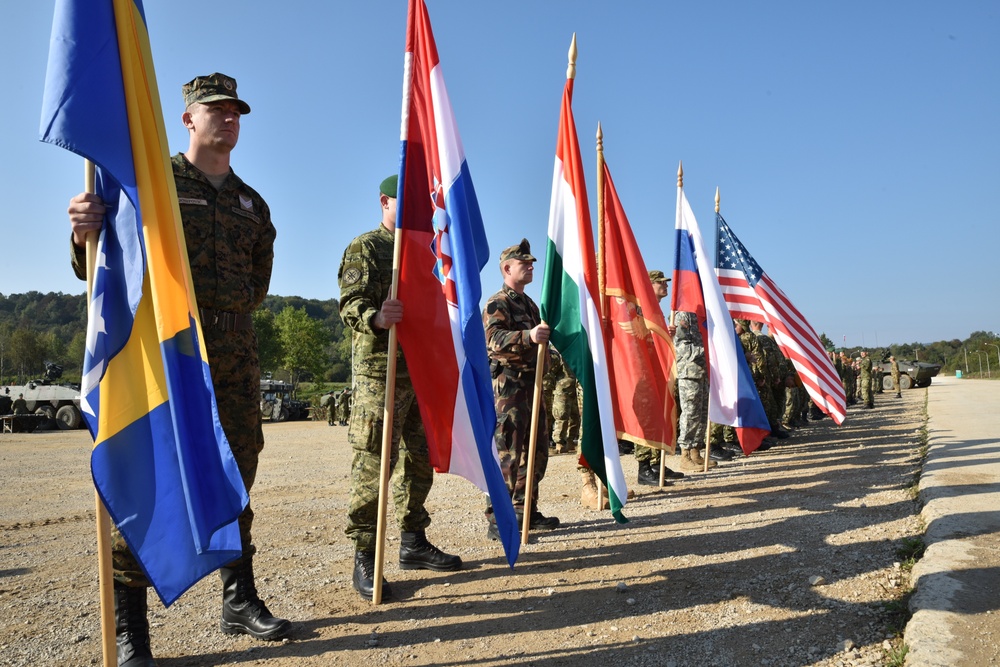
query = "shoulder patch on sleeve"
{"x": 352, "y": 275}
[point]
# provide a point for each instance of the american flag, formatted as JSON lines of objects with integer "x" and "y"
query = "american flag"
{"x": 751, "y": 294}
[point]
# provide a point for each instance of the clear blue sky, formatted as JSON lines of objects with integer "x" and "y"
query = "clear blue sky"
{"x": 856, "y": 144}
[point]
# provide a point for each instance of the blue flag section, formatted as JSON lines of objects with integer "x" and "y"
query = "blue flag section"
{"x": 161, "y": 462}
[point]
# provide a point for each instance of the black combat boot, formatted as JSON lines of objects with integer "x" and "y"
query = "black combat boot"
{"x": 242, "y": 611}
{"x": 416, "y": 553}
{"x": 132, "y": 627}
{"x": 364, "y": 575}
{"x": 650, "y": 476}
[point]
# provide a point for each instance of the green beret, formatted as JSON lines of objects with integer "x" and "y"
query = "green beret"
{"x": 390, "y": 186}
{"x": 520, "y": 251}
{"x": 658, "y": 277}
{"x": 212, "y": 88}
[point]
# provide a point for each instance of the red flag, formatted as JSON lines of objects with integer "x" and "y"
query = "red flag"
{"x": 640, "y": 351}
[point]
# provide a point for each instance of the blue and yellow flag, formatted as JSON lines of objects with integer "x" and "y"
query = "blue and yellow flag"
{"x": 161, "y": 462}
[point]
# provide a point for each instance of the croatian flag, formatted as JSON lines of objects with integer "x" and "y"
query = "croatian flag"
{"x": 751, "y": 294}
{"x": 443, "y": 248}
{"x": 732, "y": 397}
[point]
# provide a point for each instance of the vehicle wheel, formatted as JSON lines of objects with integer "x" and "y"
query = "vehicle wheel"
{"x": 905, "y": 381}
{"x": 281, "y": 416}
{"x": 47, "y": 410}
{"x": 68, "y": 417}
{"x": 887, "y": 383}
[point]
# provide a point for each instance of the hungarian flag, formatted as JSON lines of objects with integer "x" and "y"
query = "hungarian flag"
{"x": 443, "y": 248}
{"x": 640, "y": 351}
{"x": 161, "y": 462}
{"x": 751, "y": 294}
{"x": 570, "y": 306}
{"x": 732, "y": 395}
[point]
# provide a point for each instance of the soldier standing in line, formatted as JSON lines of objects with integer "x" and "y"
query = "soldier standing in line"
{"x": 344, "y": 406}
{"x": 230, "y": 245}
{"x": 19, "y": 406}
{"x": 774, "y": 378}
{"x": 329, "y": 401}
{"x": 365, "y": 278}
{"x": 866, "y": 381}
{"x": 647, "y": 457}
{"x": 514, "y": 329}
{"x": 692, "y": 390}
{"x": 895, "y": 376}
{"x": 565, "y": 407}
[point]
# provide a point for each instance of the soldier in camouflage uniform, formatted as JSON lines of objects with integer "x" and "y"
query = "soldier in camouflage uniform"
{"x": 647, "y": 457}
{"x": 514, "y": 331}
{"x": 692, "y": 389}
{"x": 344, "y": 406}
{"x": 565, "y": 409}
{"x": 230, "y": 238}
{"x": 895, "y": 376}
{"x": 773, "y": 391}
{"x": 329, "y": 401}
{"x": 865, "y": 381}
{"x": 365, "y": 278}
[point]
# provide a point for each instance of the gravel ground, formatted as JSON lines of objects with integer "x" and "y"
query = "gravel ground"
{"x": 784, "y": 558}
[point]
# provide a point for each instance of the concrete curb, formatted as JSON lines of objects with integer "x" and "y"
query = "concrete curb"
{"x": 956, "y": 580}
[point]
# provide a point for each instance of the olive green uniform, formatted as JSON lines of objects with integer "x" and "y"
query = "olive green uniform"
{"x": 365, "y": 279}
{"x": 230, "y": 245}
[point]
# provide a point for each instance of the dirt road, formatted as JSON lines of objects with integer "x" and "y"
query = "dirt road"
{"x": 717, "y": 569}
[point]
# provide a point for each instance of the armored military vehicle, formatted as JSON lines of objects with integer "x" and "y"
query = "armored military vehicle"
{"x": 911, "y": 373}
{"x": 47, "y": 397}
{"x": 277, "y": 404}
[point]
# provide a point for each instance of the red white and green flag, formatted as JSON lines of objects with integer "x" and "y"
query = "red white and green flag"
{"x": 570, "y": 306}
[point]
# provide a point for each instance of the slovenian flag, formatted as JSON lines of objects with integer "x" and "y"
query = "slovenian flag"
{"x": 570, "y": 306}
{"x": 443, "y": 249}
{"x": 161, "y": 463}
{"x": 732, "y": 395}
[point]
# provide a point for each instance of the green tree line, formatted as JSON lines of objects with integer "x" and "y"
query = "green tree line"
{"x": 299, "y": 339}
{"x": 303, "y": 340}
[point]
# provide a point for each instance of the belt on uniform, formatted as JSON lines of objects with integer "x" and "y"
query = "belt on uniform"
{"x": 221, "y": 319}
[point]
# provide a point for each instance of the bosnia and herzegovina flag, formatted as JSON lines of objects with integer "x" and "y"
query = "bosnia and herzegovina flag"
{"x": 640, "y": 350}
{"x": 732, "y": 395}
{"x": 443, "y": 248}
{"x": 570, "y": 306}
{"x": 161, "y": 463}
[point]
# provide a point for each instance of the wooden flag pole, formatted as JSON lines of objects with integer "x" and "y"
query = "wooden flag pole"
{"x": 601, "y": 266}
{"x": 387, "y": 427}
{"x": 105, "y": 572}
{"x": 536, "y": 401}
{"x": 708, "y": 430}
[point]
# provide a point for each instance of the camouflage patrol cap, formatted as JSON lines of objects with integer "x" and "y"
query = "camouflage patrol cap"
{"x": 743, "y": 323}
{"x": 212, "y": 88}
{"x": 658, "y": 277}
{"x": 389, "y": 186}
{"x": 520, "y": 251}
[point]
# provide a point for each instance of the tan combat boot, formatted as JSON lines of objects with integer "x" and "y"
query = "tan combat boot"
{"x": 588, "y": 494}
{"x": 688, "y": 463}
{"x": 698, "y": 459}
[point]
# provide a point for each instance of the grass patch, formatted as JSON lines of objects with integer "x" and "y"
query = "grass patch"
{"x": 911, "y": 550}
{"x": 896, "y": 656}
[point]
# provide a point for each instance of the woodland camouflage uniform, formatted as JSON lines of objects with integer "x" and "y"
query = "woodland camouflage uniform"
{"x": 230, "y": 245}
{"x": 507, "y": 318}
{"x": 365, "y": 279}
